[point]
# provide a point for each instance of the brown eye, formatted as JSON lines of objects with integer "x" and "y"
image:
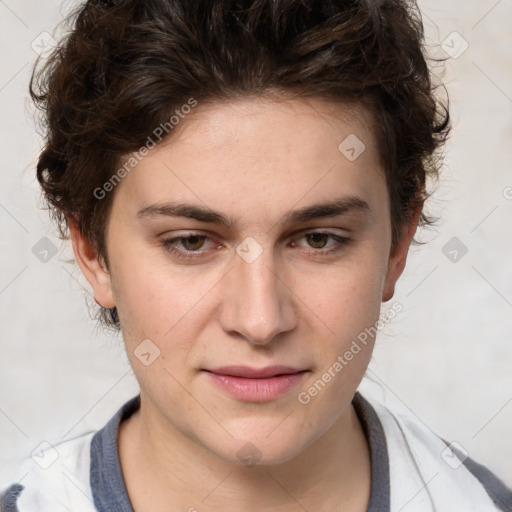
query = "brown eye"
{"x": 317, "y": 240}
{"x": 186, "y": 246}
{"x": 322, "y": 243}
{"x": 193, "y": 242}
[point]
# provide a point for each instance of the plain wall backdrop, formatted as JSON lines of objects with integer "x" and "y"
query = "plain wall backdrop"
{"x": 447, "y": 355}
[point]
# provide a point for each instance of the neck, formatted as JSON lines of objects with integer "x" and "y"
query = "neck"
{"x": 166, "y": 470}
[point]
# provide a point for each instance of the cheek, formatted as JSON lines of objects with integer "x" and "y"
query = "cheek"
{"x": 348, "y": 296}
{"x": 159, "y": 302}
{"x": 349, "y": 307}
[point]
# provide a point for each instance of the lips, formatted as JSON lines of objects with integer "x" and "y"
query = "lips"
{"x": 255, "y": 373}
{"x": 256, "y": 384}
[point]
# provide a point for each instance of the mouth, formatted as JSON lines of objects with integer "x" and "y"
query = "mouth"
{"x": 255, "y": 373}
{"x": 256, "y": 384}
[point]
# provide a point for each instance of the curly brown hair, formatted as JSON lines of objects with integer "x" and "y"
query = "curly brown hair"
{"x": 126, "y": 65}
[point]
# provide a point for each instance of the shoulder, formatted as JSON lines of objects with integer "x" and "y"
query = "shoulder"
{"x": 427, "y": 473}
{"x": 9, "y": 497}
{"x": 69, "y": 474}
{"x": 53, "y": 477}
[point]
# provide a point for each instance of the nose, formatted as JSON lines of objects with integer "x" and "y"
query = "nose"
{"x": 258, "y": 304}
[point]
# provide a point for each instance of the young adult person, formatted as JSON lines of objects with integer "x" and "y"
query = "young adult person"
{"x": 241, "y": 182}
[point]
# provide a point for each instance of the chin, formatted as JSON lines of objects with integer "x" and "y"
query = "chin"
{"x": 259, "y": 450}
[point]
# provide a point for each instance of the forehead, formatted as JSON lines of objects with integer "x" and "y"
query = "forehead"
{"x": 252, "y": 153}
{"x": 275, "y": 123}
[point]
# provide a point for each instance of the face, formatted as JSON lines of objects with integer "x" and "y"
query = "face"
{"x": 254, "y": 238}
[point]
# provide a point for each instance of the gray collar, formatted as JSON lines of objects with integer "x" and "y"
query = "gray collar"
{"x": 109, "y": 491}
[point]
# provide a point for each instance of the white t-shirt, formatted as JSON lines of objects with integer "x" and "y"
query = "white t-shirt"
{"x": 412, "y": 470}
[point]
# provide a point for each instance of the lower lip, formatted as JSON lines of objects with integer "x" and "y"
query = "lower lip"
{"x": 256, "y": 390}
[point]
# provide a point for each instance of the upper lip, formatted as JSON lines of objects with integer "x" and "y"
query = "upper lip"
{"x": 255, "y": 373}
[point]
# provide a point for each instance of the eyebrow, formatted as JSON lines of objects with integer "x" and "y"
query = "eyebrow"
{"x": 332, "y": 208}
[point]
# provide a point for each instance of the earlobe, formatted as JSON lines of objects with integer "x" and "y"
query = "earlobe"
{"x": 398, "y": 257}
{"x": 93, "y": 267}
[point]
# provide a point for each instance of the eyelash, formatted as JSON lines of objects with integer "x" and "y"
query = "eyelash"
{"x": 169, "y": 244}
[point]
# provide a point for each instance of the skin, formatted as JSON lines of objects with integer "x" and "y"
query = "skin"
{"x": 254, "y": 160}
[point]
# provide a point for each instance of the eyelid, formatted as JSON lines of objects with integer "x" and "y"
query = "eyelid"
{"x": 340, "y": 241}
{"x": 289, "y": 236}
{"x": 294, "y": 235}
{"x": 188, "y": 234}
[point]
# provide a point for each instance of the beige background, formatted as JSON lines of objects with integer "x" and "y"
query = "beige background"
{"x": 447, "y": 355}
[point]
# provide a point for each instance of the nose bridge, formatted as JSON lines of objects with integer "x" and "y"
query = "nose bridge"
{"x": 259, "y": 307}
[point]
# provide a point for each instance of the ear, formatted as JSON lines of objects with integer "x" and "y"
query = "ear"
{"x": 398, "y": 256}
{"x": 93, "y": 267}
